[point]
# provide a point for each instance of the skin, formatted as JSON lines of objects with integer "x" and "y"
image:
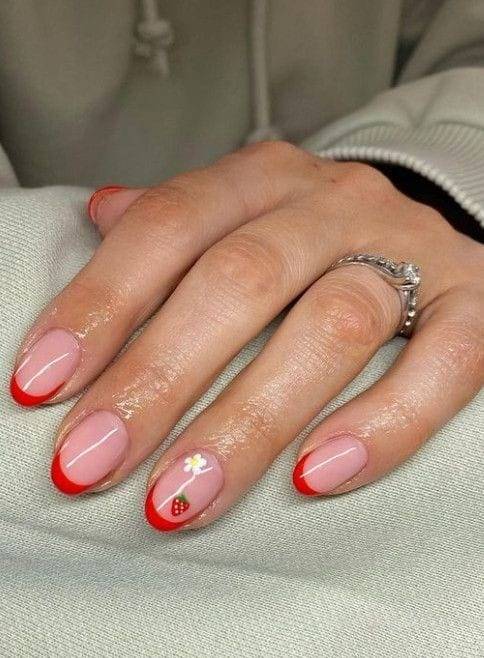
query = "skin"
{"x": 229, "y": 247}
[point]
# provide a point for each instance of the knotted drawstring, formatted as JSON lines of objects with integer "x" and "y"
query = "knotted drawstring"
{"x": 155, "y": 36}
{"x": 261, "y": 101}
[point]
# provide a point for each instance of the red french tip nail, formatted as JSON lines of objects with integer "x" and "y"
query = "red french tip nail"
{"x": 96, "y": 197}
{"x": 299, "y": 481}
{"x": 154, "y": 519}
{"x": 63, "y": 483}
{"x": 26, "y": 400}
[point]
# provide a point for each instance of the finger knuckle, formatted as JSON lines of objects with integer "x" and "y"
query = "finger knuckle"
{"x": 245, "y": 266}
{"x": 176, "y": 194}
{"x": 404, "y": 406}
{"x": 272, "y": 150}
{"x": 347, "y": 316}
{"x": 422, "y": 220}
{"x": 427, "y": 217}
{"x": 160, "y": 381}
{"x": 361, "y": 179}
{"x": 260, "y": 418}
{"x": 167, "y": 212}
{"x": 97, "y": 301}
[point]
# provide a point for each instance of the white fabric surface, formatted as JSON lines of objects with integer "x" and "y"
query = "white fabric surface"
{"x": 390, "y": 570}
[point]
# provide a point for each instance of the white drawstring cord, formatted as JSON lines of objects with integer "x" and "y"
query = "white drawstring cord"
{"x": 154, "y": 37}
{"x": 263, "y": 129}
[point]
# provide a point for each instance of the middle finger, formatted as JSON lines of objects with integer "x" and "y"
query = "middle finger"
{"x": 325, "y": 340}
{"x": 230, "y": 294}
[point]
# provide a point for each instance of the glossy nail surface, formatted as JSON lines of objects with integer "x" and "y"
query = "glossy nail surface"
{"x": 90, "y": 452}
{"x": 330, "y": 465}
{"x": 184, "y": 490}
{"x": 45, "y": 368}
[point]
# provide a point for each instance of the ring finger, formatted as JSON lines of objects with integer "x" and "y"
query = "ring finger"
{"x": 323, "y": 343}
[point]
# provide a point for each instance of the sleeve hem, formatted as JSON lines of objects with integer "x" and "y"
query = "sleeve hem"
{"x": 451, "y": 155}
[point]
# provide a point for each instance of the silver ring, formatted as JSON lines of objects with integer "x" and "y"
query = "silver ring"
{"x": 404, "y": 277}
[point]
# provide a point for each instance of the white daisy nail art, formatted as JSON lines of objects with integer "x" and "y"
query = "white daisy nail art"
{"x": 195, "y": 464}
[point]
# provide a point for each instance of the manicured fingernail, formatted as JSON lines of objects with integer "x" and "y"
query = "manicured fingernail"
{"x": 184, "y": 490}
{"x": 329, "y": 466}
{"x": 98, "y": 196}
{"x": 90, "y": 452}
{"x": 45, "y": 368}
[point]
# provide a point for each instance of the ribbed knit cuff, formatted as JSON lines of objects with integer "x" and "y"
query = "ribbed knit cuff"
{"x": 448, "y": 154}
{"x": 7, "y": 175}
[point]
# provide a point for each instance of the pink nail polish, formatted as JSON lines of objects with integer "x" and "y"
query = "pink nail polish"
{"x": 329, "y": 466}
{"x": 91, "y": 451}
{"x": 184, "y": 490}
{"x": 45, "y": 368}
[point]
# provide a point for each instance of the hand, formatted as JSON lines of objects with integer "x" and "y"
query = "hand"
{"x": 216, "y": 254}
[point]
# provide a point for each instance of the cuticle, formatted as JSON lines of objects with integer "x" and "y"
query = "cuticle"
{"x": 330, "y": 439}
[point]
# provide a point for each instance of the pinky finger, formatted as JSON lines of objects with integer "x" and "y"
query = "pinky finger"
{"x": 438, "y": 372}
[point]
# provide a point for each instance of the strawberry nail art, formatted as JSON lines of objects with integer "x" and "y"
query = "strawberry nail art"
{"x": 184, "y": 490}
{"x": 179, "y": 505}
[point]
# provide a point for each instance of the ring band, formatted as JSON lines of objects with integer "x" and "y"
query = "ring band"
{"x": 404, "y": 277}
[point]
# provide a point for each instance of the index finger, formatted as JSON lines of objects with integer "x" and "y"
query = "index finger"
{"x": 140, "y": 262}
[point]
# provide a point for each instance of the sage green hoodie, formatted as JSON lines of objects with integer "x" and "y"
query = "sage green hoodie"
{"x": 133, "y": 91}
{"x": 130, "y": 92}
